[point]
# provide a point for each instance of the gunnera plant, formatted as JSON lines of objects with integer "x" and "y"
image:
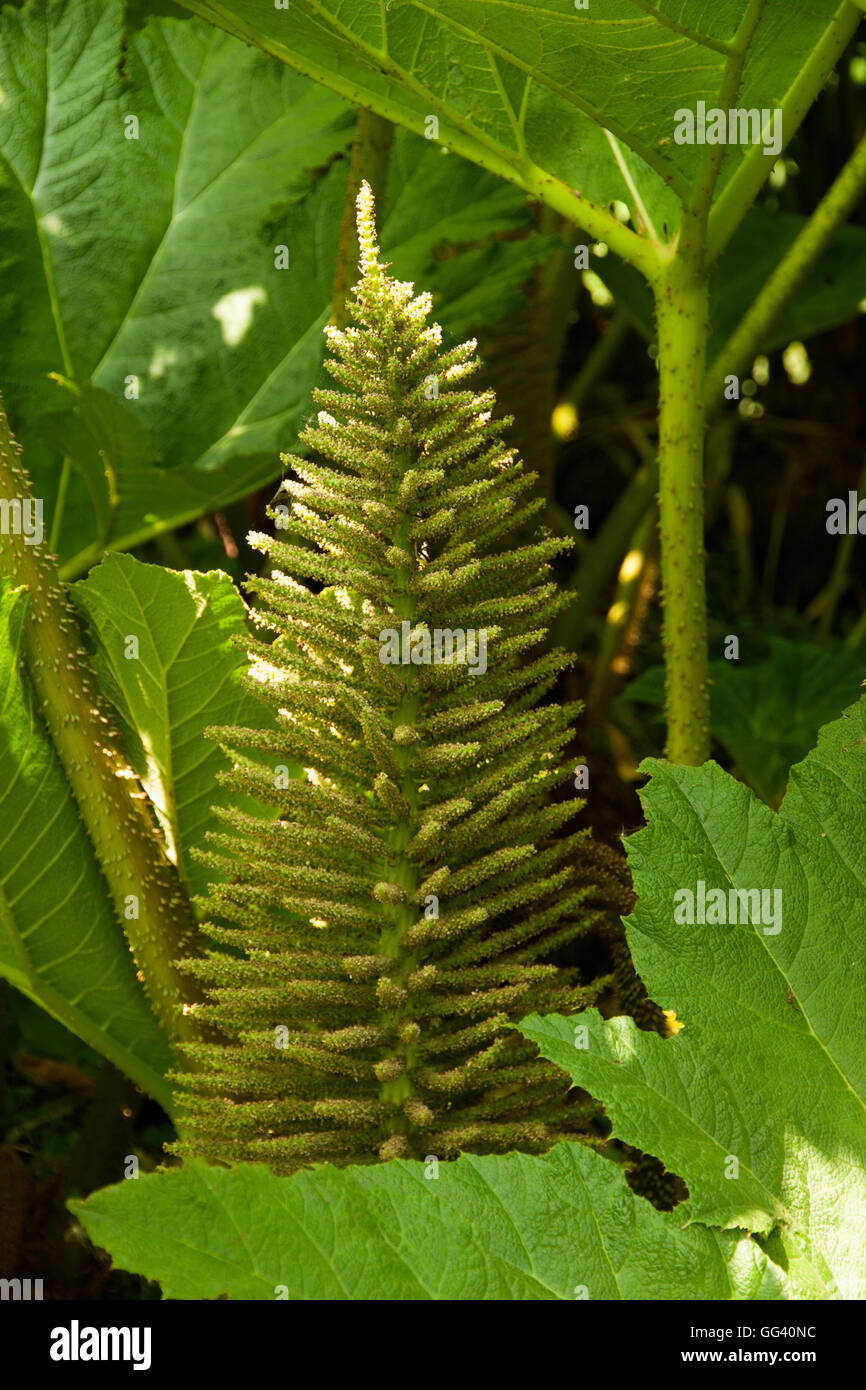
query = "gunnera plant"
{"x": 376, "y": 940}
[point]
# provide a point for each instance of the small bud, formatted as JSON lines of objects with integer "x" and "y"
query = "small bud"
{"x": 404, "y": 735}
{"x": 417, "y": 1112}
{"x": 395, "y": 1147}
{"x": 422, "y": 980}
{"x": 390, "y": 893}
{"x": 389, "y": 1069}
{"x": 399, "y": 559}
{"x": 389, "y": 995}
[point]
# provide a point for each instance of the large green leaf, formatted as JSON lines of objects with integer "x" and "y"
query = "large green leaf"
{"x": 564, "y": 1226}
{"x": 59, "y": 940}
{"x": 151, "y": 264}
{"x": 153, "y": 257}
{"x": 542, "y": 90}
{"x": 164, "y": 657}
{"x": 768, "y": 715}
{"x": 759, "y": 1102}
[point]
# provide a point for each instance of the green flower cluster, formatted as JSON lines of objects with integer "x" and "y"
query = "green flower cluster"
{"x": 376, "y": 938}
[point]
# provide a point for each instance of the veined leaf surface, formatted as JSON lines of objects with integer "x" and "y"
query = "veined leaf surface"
{"x": 561, "y": 1227}
{"x": 759, "y": 1101}
{"x": 164, "y": 657}
{"x": 542, "y": 90}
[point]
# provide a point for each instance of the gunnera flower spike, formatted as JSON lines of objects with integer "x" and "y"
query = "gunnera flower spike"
{"x": 400, "y": 913}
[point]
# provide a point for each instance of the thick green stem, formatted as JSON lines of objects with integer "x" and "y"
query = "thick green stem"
{"x": 138, "y": 873}
{"x": 682, "y": 304}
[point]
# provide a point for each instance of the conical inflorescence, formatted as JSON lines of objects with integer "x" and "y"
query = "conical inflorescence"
{"x": 376, "y": 937}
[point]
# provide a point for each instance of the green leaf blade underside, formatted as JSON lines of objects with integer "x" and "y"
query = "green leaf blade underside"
{"x": 484, "y": 1229}
{"x": 141, "y": 222}
{"x": 112, "y": 225}
{"x": 621, "y": 1058}
{"x": 587, "y": 97}
{"x": 186, "y": 677}
{"x": 770, "y": 1066}
{"x": 148, "y": 265}
{"x": 59, "y": 940}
